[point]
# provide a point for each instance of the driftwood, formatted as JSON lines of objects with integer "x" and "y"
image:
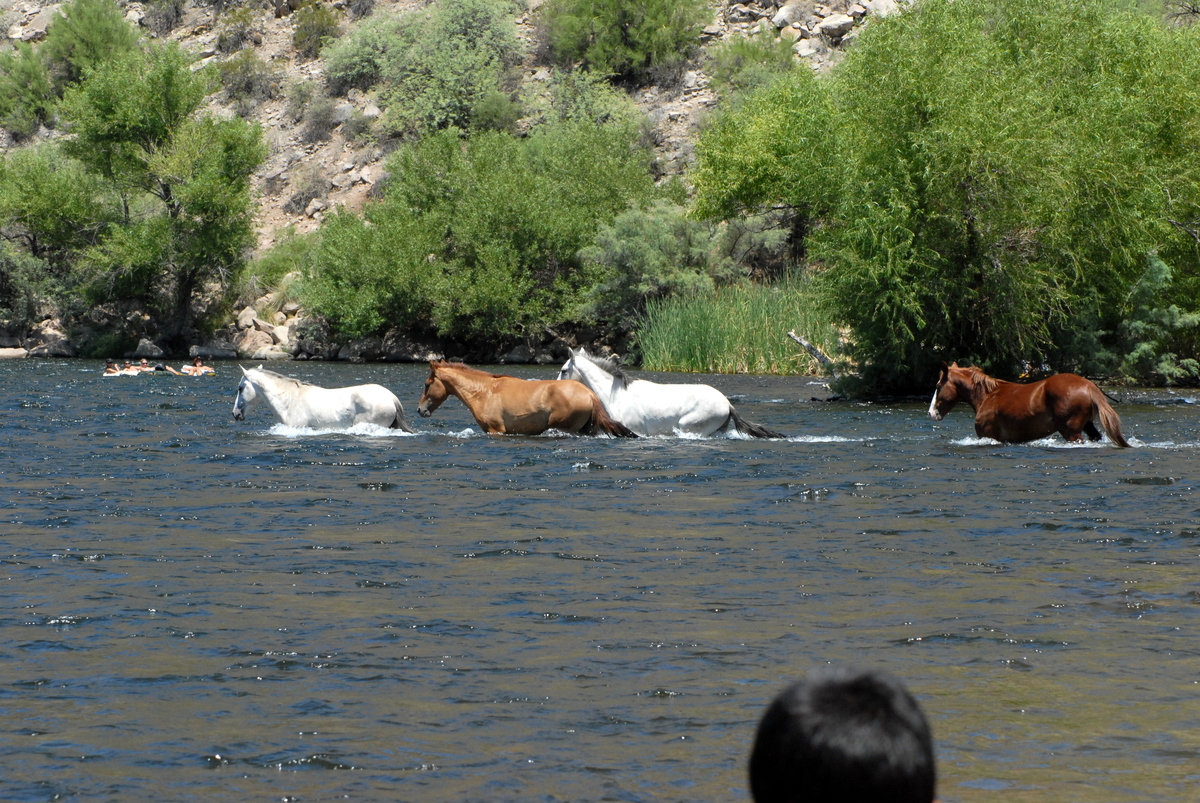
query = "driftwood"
{"x": 816, "y": 353}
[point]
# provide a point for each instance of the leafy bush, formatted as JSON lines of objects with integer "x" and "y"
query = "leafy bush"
{"x": 357, "y": 60}
{"x": 648, "y": 254}
{"x": 360, "y": 8}
{"x": 25, "y": 282}
{"x": 744, "y": 64}
{"x": 307, "y": 182}
{"x": 26, "y": 94}
{"x": 638, "y": 42}
{"x": 237, "y": 28}
{"x": 298, "y": 94}
{"x": 1152, "y": 327}
{"x": 964, "y": 181}
{"x": 52, "y": 205}
{"x": 248, "y": 82}
{"x": 86, "y": 34}
{"x": 315, "y": 26}
{"x": 318, "y": 120}
{"x": 495, "y": 111}
{"x": 163, "y": 16}
{"x": 435, "y": 66}
{"x": 499, "y": 222}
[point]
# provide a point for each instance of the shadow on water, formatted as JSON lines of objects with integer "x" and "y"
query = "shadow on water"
{"x": 198, "y": 608}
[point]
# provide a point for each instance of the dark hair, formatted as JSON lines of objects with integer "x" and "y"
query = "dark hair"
{"x": 845, "y": 736}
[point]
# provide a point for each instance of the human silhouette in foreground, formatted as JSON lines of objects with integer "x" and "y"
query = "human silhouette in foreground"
{"x": 843, "y": 736}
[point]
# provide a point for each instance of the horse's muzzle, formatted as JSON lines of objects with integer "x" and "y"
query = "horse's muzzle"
{"x": 935, "y": 415}
{"x": 238, "y": 415}
{"x": 424, "y": 412}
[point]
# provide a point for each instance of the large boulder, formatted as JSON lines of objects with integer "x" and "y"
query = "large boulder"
{"x": 148, "y": 349}
{"x": 397, "y": 346}
{"x": 35, "y": 29}
{"x": 215, "y": 350}
{"x": 791, "y": 12}
{"x": 13, "y": 353}
{"x": 251, "y": 340}
{"x": 367, "y": 349}
{"x": 835, "y": 26}
{"x": 271, "y": 353}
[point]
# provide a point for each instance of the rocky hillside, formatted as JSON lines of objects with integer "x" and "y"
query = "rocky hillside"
{"x": 344, "y": 173}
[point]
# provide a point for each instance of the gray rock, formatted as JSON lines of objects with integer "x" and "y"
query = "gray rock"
{"x": 740, "y": 13}
{"x": 148, "y": 349}
{"x": 882, "y": 8}
{"x": 214, "y": 351}
{"x": 13, "y": 353}
{"x": 314, "y": 206}
{"x": 271, "y": 353}
{"x": 835, "y": 26}
{"x": 35, "y": 29}
{"x": 54, "y": 348}
{"x": 251, "y": 340}
{"x": 7, "y": 341}
{"x": 399, "y": 347}
{"x": 807, "y": 48}
{"x": 342, "y": 112}
{"x": 792, "y": 12}
{"x": 245, "y": 318}
{"x": 367, "y": 349}
{"x": 520, "y": 355}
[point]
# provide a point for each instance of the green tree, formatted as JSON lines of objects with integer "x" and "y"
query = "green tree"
{"x": 184, "y": 180}
{"x": 981, "y": 181}
{"x": 26, "y": 94}
{"x": 51, "y": 204}
{"x": 648, "y": 254}
{"x": 85, "y": 35}
{"x": 479, "y": 239}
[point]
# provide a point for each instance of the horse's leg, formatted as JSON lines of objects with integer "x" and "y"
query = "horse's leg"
{"x": 1092, "y": 432}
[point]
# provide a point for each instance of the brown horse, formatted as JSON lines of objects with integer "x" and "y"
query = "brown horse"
{"x": 505, "y": 404}
{"x": 1012, "y": 413}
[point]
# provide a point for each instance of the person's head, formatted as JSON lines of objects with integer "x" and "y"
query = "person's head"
{"x": 145, "y": 362}
{"x": 109, "y": 364}
{"x": 128, "y": 364}
{"x": 845, "y": 736}
{"x": 197, "y": 362}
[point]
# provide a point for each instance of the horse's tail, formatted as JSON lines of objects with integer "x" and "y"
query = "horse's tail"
{"x": 602, "y": 422}
{"x": 398, "y": 422}
{"x": 748, "y": 428}
{"x": 1108, "y": 417}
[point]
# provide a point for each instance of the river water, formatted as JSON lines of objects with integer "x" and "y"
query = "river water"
{"x": 201, "y": 609}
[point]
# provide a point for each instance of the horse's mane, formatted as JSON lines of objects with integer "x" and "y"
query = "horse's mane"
{"x": 464, "y": 366}
{"x": 293, "y": 380}
{"x": 978, "y": 377}
{"x": 609, "y": 365}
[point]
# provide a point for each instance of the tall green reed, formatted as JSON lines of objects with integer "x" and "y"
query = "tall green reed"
{"x": 737, "y": 329}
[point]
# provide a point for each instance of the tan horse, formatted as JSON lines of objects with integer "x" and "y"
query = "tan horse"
{"x": 508, "y": 405}
{"x": 1013, "y": 413}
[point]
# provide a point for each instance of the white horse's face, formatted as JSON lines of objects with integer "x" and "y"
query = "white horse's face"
{"x": 569, "y": 369}
{"x": 245, "y": 395}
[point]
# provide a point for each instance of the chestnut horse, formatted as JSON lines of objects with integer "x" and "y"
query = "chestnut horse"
{"x": 1013, "y": 413}
{"x": 508, "y": 405}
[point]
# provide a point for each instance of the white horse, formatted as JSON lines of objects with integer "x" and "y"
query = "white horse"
{"x": 299, "y": 404}
{"x": 649, "y": 408}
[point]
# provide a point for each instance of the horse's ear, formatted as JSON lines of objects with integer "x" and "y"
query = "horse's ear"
{"x": 616, "y": 358}
{"x": 243, "y": 370}
{"x": 953, "y": 364}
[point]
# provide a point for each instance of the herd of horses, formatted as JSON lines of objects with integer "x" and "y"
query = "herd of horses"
{"x": 595, "y": 396}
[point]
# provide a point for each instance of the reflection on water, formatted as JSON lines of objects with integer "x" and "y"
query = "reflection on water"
{"x": 204, "y": 609}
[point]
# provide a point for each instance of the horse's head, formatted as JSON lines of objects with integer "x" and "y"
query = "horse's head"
{"x": 245, "y": 395}
{"x": 435, "y": 391}
{"x": 570, "y": 369}
{"x": 945, "y": 396}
